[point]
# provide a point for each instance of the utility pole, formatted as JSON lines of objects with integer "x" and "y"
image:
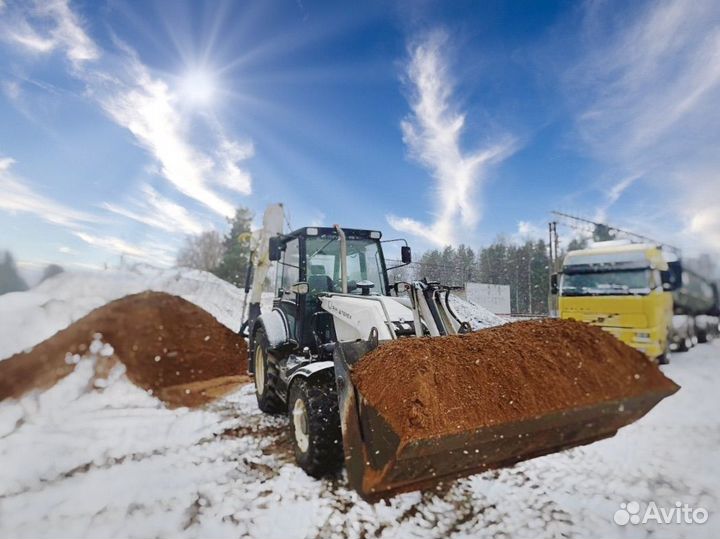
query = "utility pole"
{"x": 530, "y": 284}
{"x": 553, "y": 265}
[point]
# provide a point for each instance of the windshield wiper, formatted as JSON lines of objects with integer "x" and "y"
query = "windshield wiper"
{"x": 323, "y": 247}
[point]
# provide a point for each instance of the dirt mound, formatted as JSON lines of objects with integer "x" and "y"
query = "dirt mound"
{"x": 427, "y": 387}
{"x": 168, "y": 345}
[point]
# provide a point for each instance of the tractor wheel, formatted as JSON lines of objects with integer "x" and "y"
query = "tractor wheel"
{"x": 315, "y": 425}
{"x": 266, "y": 375}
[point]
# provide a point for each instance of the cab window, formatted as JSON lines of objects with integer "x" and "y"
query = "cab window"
{"x": 290, "y": 266}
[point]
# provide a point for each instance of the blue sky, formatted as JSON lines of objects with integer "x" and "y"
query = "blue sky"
{"x": 126, "y": 125}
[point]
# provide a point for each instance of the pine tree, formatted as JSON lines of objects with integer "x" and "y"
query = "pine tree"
{"x": 10, "y": 280}
{"x": 235, "y": 261}
{"x": 51, "y": 270}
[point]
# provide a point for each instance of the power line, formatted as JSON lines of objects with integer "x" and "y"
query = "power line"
{"x": 575, "y": 222}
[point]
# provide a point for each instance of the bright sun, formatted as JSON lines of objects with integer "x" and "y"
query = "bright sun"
{"x": 198, "y": 87}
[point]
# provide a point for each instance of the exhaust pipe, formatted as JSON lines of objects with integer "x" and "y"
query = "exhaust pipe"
{"x": 343, "y": 259}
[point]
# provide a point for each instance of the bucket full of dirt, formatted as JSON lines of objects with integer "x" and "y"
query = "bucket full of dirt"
{"x": 416, "y": 412}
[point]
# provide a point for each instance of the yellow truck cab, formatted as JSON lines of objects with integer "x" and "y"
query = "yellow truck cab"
{"x": 618, "y": 286}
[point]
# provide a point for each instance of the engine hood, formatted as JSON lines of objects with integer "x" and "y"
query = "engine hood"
{"x": 355, "y": 316}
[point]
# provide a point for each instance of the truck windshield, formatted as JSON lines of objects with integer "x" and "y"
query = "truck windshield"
{"x": 635, "y": 282}
{"x": 323, "y": 265}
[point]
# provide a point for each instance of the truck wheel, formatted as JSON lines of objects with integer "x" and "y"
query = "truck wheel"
{"x": 684, "y": 343}
{"x": 266, "y": 374}
{"x": 664, "y": 358}
{"x": 315, "y": 425}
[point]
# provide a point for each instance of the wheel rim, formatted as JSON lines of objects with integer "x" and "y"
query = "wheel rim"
{"x": 259, "y": 370}
{"x": 300, "y": 424}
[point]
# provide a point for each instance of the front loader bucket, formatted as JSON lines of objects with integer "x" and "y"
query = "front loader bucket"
{"x": 380, "y": 464}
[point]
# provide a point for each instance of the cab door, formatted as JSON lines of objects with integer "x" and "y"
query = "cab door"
{"x": 290, "y": 275}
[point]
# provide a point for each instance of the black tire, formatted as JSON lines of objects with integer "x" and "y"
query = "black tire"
{"x": 664, "y": 358}
{"x": 315, "y": 420}
{"x": 266, "y": 375}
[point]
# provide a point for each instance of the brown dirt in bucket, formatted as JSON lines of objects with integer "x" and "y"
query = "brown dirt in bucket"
{"x": 435, "y": 386}
{"x": 168, "y": 345}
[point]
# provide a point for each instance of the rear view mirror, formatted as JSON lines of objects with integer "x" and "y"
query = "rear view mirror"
{"x": 275, "y": 249}
{"x": 554, "y": 289}
{"x": 672, "y": 278}
{"x": 405, "y": 254}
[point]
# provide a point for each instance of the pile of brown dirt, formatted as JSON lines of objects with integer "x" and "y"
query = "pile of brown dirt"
{"x": 435, "y": 386}
{"x": 168, "y": 345}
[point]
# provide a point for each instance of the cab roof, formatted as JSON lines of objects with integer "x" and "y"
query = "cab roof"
{"x": 612, "y": 253}
{"x": 352, "y": 233}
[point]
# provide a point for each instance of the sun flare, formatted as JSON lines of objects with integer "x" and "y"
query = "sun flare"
{"x": 198, "y": 87}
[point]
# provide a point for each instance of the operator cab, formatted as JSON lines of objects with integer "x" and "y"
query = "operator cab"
{"x": 310, "y": 264}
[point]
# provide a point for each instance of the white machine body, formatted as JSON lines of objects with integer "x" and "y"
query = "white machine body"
{"x": 355, "y": 316}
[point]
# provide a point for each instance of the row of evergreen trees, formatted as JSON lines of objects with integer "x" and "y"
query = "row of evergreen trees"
{"x": 525, "y": 267}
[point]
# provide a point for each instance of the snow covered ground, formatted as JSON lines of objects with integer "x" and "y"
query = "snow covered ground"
{"x": 94, "y": 456}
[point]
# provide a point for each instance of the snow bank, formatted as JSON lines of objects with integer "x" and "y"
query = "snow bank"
{"x": 28, "y": 318}
{"x": 478, "y": 317}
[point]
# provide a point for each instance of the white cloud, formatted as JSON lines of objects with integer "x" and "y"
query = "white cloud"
{"x": 149, "y": 252}
{"x": 111, "y": 244}
{"x": 11, "y": 89}
{"x": 319, "y": 219}
{"x": 649, "y": 85}
{"x": 230, "y": 154}
{"x": 432, "y": 133}
{"x": 613, "y": 195}
{"x": 18, "y": 196}
{"x": 157, "y": 211}
{"x": 62, "y": 29}
{"x": 529, "y": 231}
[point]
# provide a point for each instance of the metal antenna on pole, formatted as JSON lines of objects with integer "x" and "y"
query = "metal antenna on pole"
{"x": 589, "y": 225}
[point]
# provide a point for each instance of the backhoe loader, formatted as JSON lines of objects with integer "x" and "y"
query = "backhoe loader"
{"x": 333, "y": 304}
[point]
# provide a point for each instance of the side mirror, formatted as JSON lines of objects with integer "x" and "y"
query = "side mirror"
{"x": 275, "y": 249}
{"x": 405, "y": 254}
{"x": 672, "y": 277}
{"x": 300, "y": 288}
{"x": 554, "y": 288}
